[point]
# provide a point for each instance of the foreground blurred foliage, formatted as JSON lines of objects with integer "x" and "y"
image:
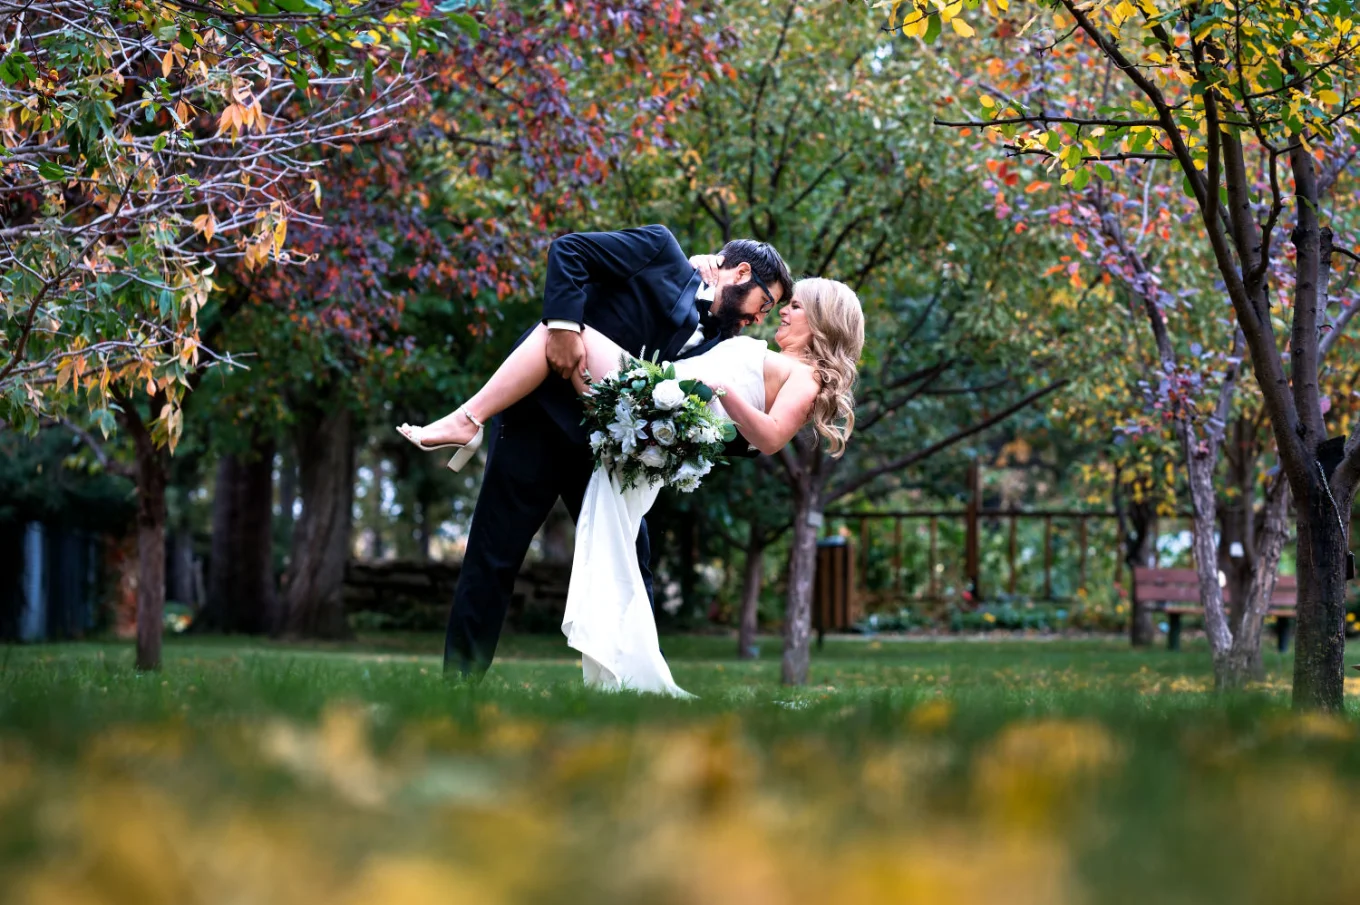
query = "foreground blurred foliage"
{"x": 951, "y": 773}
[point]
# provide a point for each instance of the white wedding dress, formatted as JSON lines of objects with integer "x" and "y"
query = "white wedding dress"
{"x": 608, "y": 618}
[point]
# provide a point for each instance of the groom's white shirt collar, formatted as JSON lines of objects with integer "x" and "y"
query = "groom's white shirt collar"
{"x": 704, "y": 293}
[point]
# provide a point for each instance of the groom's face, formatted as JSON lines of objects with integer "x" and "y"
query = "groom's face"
{"x": 739, "y": 301}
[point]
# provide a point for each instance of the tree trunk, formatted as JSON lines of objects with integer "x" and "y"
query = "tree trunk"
{"x": 556, "y": 537}
{"x": 321, "y": 538}
{"x": 375, "y": 501}
{"x": 1321, "y": 639}
{"x": 687, "y": 537}
{"x": 802, "y": 571}
{"x": 288, "y": 490}
{"x": 752, "y": 580}
{"x": 1203, "y": 505}
{"x": 1244, "y": 661}
{"x": 152, "y": 476}
{"x": 422, "y": 529}
{"x": 1240, "y": 532}
{"x": 181, "y": 585}
{"x": 241, "y": 596}
{"x": 1140, "y": 550}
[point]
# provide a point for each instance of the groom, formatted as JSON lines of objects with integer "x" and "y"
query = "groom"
{"x": 636, "y": 287}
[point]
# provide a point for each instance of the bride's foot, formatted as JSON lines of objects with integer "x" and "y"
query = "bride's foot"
{"x": 456, "y": 429}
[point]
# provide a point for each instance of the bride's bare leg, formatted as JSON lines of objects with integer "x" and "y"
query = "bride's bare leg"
{"x": 518, "y": 376}
{"x": 602, "y": 356}
{"x": 521, "y": 372}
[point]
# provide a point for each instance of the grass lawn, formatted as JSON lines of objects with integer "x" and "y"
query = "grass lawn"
{"x": 1010, "y": 771}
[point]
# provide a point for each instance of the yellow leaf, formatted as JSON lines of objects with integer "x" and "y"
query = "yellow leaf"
{"x": 1328, "y": 96}
{"x": 167, "y": 63}
{"x": 963, "y": 29}
{"x": 206, "y": 224}
{"x": 986, "y": 101}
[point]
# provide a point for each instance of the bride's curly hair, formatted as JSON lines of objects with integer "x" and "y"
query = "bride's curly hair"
{"x": 836, "y": 320}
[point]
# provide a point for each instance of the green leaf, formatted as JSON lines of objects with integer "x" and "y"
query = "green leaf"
{"x": 1104, "y": 172}
{"x": 159, "y": 144}
{"x": 11, "y": 67}
{"x": 50, "y": 169}
{"x": 167, "y": 303}
{"x": 703, "y": 391}
{"x": 465, "y": 23}
{"x": 932, "y": 29}
{"x": 729, "y": 432}
{"x": 1080, "y": 179}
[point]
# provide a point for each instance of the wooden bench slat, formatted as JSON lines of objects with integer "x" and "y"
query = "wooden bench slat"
{"x": 1181, "y": 586}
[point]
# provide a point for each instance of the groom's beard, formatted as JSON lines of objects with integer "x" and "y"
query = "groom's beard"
{"x": 726, "y": 316}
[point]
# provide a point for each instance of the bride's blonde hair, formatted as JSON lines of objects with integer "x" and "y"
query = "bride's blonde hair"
{"x": 837, "y": 323}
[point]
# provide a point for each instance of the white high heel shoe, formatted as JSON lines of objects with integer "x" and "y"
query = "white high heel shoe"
{"x": 465, "y": 450}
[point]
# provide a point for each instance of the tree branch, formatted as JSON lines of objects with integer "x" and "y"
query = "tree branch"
{"x": 865, "y": 477}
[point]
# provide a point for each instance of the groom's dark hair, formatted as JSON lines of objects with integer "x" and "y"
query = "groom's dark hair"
{"x": 765, "y": 263}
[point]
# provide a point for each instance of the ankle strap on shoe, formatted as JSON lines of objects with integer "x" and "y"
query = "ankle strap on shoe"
{"x": 471, "y": 417}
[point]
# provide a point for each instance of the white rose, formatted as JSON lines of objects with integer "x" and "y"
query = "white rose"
{"x": 664, "y": 432}
{"x": 668, "y": 395}
{"x": 652, "y": 457}
{"x": 637, "y": 374}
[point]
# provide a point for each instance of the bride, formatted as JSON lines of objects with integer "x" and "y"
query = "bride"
{"x": 768, "y": 396}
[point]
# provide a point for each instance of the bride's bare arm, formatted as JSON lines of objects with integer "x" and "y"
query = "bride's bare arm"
{"x": 770, "y": 432}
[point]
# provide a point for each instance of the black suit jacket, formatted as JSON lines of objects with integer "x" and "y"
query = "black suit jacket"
{"x": 635, "y": 286}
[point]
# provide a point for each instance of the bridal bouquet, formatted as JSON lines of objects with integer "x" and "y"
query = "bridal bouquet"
{"x": 646, "y": 426}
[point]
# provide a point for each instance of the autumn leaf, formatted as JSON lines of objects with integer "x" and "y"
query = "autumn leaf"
{"x": 206, "y": 224}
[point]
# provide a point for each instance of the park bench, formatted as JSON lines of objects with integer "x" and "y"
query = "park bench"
{"x": 1176, "y": 593}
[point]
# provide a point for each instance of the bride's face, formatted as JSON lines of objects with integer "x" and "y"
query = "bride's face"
{"x": 793, "y": 332}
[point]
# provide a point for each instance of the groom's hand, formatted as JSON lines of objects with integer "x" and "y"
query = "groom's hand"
{"x": 566, "y": 353}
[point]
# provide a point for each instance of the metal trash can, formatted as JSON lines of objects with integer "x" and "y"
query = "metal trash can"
{"x": 833, "y": 587}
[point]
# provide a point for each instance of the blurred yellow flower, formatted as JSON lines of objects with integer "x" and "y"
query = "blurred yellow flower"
{"x": 932, "y": 716}
{"x": 1033, "y": 767}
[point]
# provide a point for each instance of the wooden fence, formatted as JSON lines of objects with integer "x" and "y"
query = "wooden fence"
{"x": 1097, "y": 536}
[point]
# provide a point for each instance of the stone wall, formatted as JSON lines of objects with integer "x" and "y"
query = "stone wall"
{"x": 416, "y": 596}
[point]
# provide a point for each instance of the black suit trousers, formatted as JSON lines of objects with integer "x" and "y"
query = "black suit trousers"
{"x": 531, "y": 463}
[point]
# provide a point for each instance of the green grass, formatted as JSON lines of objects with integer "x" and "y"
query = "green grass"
{"x": 999, "y": 771}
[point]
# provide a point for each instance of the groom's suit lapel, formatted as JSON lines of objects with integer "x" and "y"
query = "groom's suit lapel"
{"x": 687, "y": 312}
